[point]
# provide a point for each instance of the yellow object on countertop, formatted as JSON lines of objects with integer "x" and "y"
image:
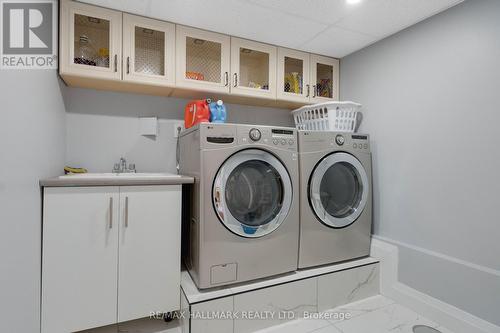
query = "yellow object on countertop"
{"x": 68, "y": 169}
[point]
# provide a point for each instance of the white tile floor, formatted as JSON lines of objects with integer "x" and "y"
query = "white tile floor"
{"x": 376, "y": 314}
{"x": 145, "y": 325}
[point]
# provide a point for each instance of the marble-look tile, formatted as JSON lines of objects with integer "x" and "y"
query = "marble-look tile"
{"x": 317, "y": 271}
{"x": 207, "y": 317}
{"x": 103, "y": 329}
{"x": 143, "y": 325}
{"x": 185, "y": 313}
{"x": 277, "y": 304}
{"x": 297, "y": 326}
{"x": 147, "y": 325}
{"x": 328, "y": 329}
{"x": 347, "y": 286}
{"x": 195, "y": 295}
{"x": 393, "y": 318}
{"x": 354, "y": 309}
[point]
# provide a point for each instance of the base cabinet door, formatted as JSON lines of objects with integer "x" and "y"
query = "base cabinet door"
{"x": 79, "y": 258}
{"x": 149, "y": 250}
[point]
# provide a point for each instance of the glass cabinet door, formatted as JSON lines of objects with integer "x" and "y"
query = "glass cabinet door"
{"x": 90, "y": 41}
{"x": 148, "y": 47}
{"x": 325, "y": 78}
{"x": 293, "y": 75}
{"x": 202, "y": 59}
{"x": 253, "y": 68}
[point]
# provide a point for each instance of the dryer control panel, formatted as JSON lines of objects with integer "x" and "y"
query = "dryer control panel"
{"x": 360, "y": 142}
{"x": 318, "y": 140}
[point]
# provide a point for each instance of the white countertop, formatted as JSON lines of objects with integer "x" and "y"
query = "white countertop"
{"x": 116, "y": 179}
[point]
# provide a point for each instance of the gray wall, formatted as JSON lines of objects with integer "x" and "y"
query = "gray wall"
{"x": 46, "y": 125}
{"x": 31, "y": 147}
{"x": 102, "y": 126}
{"x": 430, "y": 96}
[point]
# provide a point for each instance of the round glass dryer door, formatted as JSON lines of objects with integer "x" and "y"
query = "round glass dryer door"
{"x": 338, "y": 190}
{"x": 252, "y": 193}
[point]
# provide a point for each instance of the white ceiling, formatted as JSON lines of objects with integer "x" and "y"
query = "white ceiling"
{"x": 329, "y": 27}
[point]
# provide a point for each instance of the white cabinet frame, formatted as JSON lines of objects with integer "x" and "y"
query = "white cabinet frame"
{"x": 149, "y": 252}
{"x": 110, "y": 254}
{"x": 67, "y": 41}
{"x": 121, "y": 75}
{"x": 236, "y": 88}
{"x": 306, "y": 83}
{"x": 182, "y": 33}
{"x": 129, "y": 73}
{"x": 79, "y": 258}
{"x": 317, "y": 59}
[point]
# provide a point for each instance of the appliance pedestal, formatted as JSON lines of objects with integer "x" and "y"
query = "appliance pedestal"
{"x": 267, "y": 302}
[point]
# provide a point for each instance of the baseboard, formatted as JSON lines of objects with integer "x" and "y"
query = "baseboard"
{"x": 440, "y": 312}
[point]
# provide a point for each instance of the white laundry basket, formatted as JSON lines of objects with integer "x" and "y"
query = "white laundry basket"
{"x": 328, "y": 116}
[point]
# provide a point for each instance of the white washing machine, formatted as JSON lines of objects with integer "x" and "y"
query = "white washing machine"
{"x": 244, "y": 220}
{"x": 335, "y": 198}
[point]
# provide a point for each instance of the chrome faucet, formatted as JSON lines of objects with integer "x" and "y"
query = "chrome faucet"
{"x": 123, "y": 164}
{"x": 121, "y": 167}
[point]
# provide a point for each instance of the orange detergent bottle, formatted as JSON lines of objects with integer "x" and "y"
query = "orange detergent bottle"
{"x": 196, "y": 111}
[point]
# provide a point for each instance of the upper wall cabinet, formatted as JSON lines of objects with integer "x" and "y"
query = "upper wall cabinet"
{"x": 324, "y": 78}
{"x": 109, "y": 50}
{"x": 293, "y": 76}
{"x": 148, "y": 50}
{"x": 90, "y": 41}
{"x": 202, "y": 60}
{"x": 306, "y": 78}
{"x": 253, "y": 68}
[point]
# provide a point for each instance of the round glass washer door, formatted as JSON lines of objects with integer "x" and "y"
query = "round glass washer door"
{"x": 252, "y": 193}
{"x": 338, "y": 190}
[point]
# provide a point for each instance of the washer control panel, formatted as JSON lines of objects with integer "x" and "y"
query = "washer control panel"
{"x": 339, "y": 139}
{"x": 282, "y": 138}
{"x": 255, "y": 134}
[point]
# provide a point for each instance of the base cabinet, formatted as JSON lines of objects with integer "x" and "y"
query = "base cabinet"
{"x": 80, "y": 258}
{"x": 110, "y": 254}
{"x": 149, "y": 260}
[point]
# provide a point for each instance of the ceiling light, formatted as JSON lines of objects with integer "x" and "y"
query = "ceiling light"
{"x": 353, "y": 2}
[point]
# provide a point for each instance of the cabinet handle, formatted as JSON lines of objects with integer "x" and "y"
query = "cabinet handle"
{"x": 308, "y": 90}
{"x": 126, "y": 212}
{"x": 235, "y": 79}
{"x": 128, "y": 65}
{"x": 226, "y": 79}
{"x": 116, "y": 63}
{"x": 110, "y": 212}
{"x": 314, "y": 91}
